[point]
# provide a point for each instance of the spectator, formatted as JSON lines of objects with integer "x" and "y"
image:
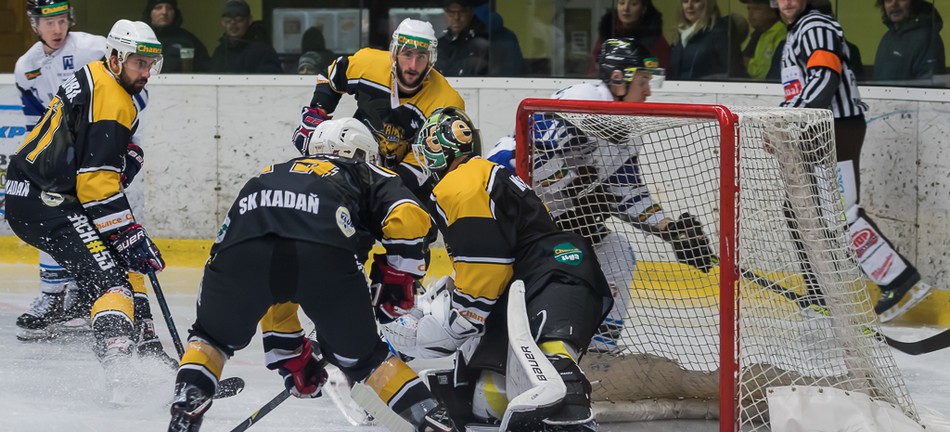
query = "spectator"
{"x": 310, "y": 63}
{"x": 504, "y": 43}
{"x": 637, "y": 19}
{"x": 241, "y": 49}
{"x": 704, "y": 48}
{"x": 469, "y": 47}
{"x": 314, "y": 49}
{"x": 911, "y": 49}
{"x": 768, "y": 33}
{"x": 182, "y": 50}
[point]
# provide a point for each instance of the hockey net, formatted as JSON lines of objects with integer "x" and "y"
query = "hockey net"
{"x": 696, "y": 344}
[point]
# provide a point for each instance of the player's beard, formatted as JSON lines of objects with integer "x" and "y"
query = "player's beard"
{"x": 406, "y": 85}
{"x": 133, "y": 87}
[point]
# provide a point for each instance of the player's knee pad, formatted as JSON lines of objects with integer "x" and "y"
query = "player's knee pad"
{"x": 202, "y": 364}
{"x": 401, "y": 389}
{"x": 112, "y": 313}
{"x": 490, "y": 399}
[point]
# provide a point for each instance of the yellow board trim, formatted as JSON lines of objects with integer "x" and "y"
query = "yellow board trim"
{"x": 667, "y": 280}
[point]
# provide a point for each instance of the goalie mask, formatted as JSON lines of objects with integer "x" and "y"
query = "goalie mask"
{"x": 628, "y": 56}
{"x": 346, "y": 137}
{"x": 134, "y": 37}
{"x": 446, "y": 135}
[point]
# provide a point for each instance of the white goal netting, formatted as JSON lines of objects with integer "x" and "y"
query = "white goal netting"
{"x": 786, "y": 306}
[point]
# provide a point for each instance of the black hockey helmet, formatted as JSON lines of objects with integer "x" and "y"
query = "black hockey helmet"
{"x": 46, "y": 8}
{"x": 626, "y": 55}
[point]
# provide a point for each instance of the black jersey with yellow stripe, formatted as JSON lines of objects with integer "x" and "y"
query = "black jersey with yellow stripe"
{"x": 393, "y": 118}
{"x": 78, "y": 147}
{"x": 496, "y": 229}
{"x": 334, "y": 201}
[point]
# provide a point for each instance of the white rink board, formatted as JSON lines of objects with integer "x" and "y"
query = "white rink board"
{"x": 205, "y": 135}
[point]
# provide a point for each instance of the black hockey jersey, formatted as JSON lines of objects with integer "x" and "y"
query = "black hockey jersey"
{"x": 496, "y": 230}
{"x": 394, "y": 119}
{"x": 334, "y": 201}
{"x": 78, "y": 147}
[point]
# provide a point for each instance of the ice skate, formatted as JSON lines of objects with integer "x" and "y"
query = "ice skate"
{"x": 888, "y": 307}
{"x": 149, "y": 346}
{"x": 35, "y": 323}
{"x": 188, "y": 408}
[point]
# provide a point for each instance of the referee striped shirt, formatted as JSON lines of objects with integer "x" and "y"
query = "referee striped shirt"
{"x": 815, "y": 67}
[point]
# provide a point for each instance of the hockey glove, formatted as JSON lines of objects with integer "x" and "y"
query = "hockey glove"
{"x": 393, "y": 291}
{"x": 689, "y": 242}
{"x": 304, "y": 374}
{"x": 310, "y": 119}
{"x": 134, "y": 158}
{"x": 137, "y": 250}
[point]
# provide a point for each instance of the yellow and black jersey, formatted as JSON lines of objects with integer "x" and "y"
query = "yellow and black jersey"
{"x": 334, "y": 201}
{"x": 393, "y": 118}
{"x": 78, "y": 147}
{"x": 497, "y": 229}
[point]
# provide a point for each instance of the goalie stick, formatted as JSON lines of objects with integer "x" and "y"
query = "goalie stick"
{"x": 227, "y": 387}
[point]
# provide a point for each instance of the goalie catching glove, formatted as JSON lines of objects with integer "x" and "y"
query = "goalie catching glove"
{"x": 137, "y": 250}
{"x": 438, "y": 332}
{"x": 310, "y": 118}
{"x": 304, "y": 374}
{"x": 393, "y": 291}
{"x": 689, "y": 242}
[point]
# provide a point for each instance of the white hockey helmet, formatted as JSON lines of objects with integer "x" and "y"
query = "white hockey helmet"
{"x": 134, "y": 37}
{"x": 347, "y": 137}
{"x": 414, "y": 34}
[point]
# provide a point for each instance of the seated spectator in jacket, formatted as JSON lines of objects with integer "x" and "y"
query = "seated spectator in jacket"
{"x": 706, "y": 45}
{"x": 242, "y": 51}
{"x": 182, "y": 50}
{"x": 470, "y": 47}
{"x": 911, "y": 49}
{"x": 312, "y": 63}
{"x": 637, "y": 19}
{"x": 768, "y": 32}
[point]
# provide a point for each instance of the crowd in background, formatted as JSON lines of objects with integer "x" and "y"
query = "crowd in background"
{"x": 707, "y": 44}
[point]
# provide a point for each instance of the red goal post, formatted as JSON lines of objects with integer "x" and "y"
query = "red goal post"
{"x": 777, "y": 237}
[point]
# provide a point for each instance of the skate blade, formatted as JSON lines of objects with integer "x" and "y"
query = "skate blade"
{"x": 913, "y": 297}
{"x": 41, "y": 335}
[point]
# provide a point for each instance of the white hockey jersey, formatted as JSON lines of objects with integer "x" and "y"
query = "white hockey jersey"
{"x": 38, "y": 75}
{"x": 564, "y": 145}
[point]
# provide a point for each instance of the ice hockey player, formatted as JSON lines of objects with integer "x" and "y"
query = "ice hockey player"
{"x": 605, "y": 181}
{"x": 816, "y": 73}
{"x": 395, "y": 93}
{"x": 64, "y": 188}
{"x": 296, "y": 235}
{"x": 57, "y": 55}
{"x": 498, "y": 231}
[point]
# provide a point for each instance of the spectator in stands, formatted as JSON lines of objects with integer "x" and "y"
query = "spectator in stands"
{"x": 911, "y": 49}
{"x": 706, "y": 45}
{"x": 182, "y": 50}
{"x": 242, "y": 50}
{"x": 309, "y": 63}
{"x": 637, "y": 19}
{"x": 473, "y": 47}
{"x": 768, "y": 33}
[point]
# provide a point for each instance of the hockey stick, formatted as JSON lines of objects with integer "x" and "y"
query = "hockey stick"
{"x": 227, "y": 387}
{"x": 262, "y": 411}
{"x": 936, "y": 342}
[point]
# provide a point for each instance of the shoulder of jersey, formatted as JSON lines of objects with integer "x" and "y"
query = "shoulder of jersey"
{"x": 585, "y": 91}
{"x": 371, "y": 64}
{"x": 89, "y": 43}
{"x": 29, "y": 60}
